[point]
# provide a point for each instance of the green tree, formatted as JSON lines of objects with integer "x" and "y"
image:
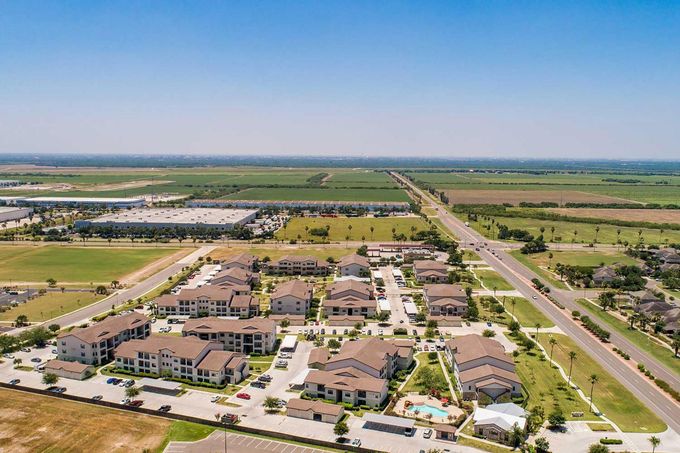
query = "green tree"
{"x": 284, "y": 324}
{"x": 21, "y": 321}
{"x": 340, "y": 429}
{"x": 50, "y": 379}
{"x": 598, "y": 448}
{"x": 552, "y": 342}
{"x": 556, "y": 419}
{"x": 516, "y": 436}
{"x": 655, "y": 441}
{"x": 593, "y": 380}
{"x": 542, "y": 445}
{"x": 271, "y": 403}
{"x": 133, "y": 391}
{"x": 675, "y": 344}
{"x": 334, "y": 344}
{"x": 51, "y": 282}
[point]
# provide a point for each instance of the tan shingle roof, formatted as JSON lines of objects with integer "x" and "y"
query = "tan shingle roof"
{"x": 349, "y": 303}
{"x": 295, "y": 288}
{"x": 430, "y": 265}
{"x": 234, "y": 272}
{"x": 318, "y": 355}
{"x": 245, "y": 259}
{"x": 318, "y": 407}
{"x": 301, "y": 259}
{"x": 444, "y": 290}
{"x": 370, "y": 351}
{"x": 212, "y": 324}
{"x": 244, "y": 301}
{"x": 108, "y": 328}
{"x": 444, "y": 301}
{"x": 183, "y": 347}
{"x": 73, "y": 367}
{"x": 488, "y": 372}
{"x": 473, "y": 347}
{"x": 333, "y": 381}
{"x": 209, "y": 292}
{"x": 354, "y": 259}
{"x": 217, "y": 360}
{"x": 167, "y": 300}
{"x": 347, "y": 285}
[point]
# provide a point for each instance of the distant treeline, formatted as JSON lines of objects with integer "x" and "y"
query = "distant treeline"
{"x": 495, "y": 210}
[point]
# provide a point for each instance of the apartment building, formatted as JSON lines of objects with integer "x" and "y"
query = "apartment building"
{"x": 94, "y": 345}
{"x": 248, "y": 336}
{"x": 373, "y": 356}
{"x": 235, "y": 276}
{"x": 347, "y": 385}
{"x": 210, "y": 301}
{"x": 445, "y": 300}
{"x": 297, "y": 265}
{"x": 430, "y": 271}
{"x": 350, "y": 307}
{"x": 293, "y": 297}
{"x": 481, "y": 365}
{"x": 182, "y": 358}
{"x": 355, "y": 265}
{"x": 349, "y": 289}
{"x": 244, "y": 261}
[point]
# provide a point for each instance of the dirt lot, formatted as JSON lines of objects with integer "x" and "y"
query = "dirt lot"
{"x": 124, "y": 185}
{"x": 533, "y": 196}
{"x": 31, "y": 423}
{"x": 634, "y": 215}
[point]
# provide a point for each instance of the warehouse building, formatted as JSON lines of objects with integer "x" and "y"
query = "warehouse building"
{"x": 190, "y": 218}
{"x": 80, "y": 201}
{"x": 8, "y": 214}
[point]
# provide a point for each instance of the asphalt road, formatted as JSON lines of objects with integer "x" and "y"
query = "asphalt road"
{"x": 520, "y": 277}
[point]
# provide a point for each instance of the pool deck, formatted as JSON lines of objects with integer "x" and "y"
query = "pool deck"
{"x": 452, "y": 410}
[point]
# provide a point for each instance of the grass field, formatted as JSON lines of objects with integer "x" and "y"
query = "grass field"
{"x": 276, "y": 253}
{"x": 365, "y": 178}
{"x": 543, "y": 274}
{"x": 644, "y": 342}
{"x": 633, "y": 215}
{"x": 585, "y": 232}
{"x": 32, "y": 423}
{"x": 582, "y": 258}
{"x": 526, "y": 313}
{"x": 610, "y": 396}
{"x": 81, "y": 265}
{"x": 51, "y": 305}
{"x": 493, "y": 279}
{"x": 515, "y": 197}
{"x": 314, "y": 194}
{"x": 181, "y": 431}
{"x": 544, "y": 386}
{"x": 424, "y": 362}
{"x": 361, "y": 228}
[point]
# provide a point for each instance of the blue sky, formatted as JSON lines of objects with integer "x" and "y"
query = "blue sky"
{"x": 454, "y": 79}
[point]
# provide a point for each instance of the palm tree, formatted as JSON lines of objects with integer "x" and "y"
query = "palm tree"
{"x": 537, "y": 326}
{"x": 655, "y": 441}
{"x": 593, "y": 380}
{"x": 552, "y": 342}
{"x": 550, "y": 257}
{"x": 513, "y": 302}
{"x": 552, "y": 233}
{"x": 372, "y": 228}
{"x": 675, "y": 344}
{"x": 349, "y": 228}
{"x": 597, "y": 230}
{"x": 572, "y": 357}
{"x": 131, "y": 392}
{"x": 271, "y": 403}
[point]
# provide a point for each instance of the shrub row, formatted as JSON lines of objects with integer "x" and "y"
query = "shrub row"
{"x": 595, "y": 328}
{"x": 608, "y": 441}
{"x": 622, "y": 353}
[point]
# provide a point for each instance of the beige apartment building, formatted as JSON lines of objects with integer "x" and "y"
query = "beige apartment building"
{"x": 244, "y": 261}
{"x": 354, "y": 265}
{"x": 297, "y": 265}
{"x": 430, "y": 271}
{"x": 94, "y": 345}
{"x": 293, "y": 297}
{"x": 248, "y": 336}
{"x": 182, "y": 358}
{"x": 210, "y": 301}
{"x": 445, "y": 300}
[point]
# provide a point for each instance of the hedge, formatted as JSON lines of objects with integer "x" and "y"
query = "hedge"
{"x": 595, "y": 328}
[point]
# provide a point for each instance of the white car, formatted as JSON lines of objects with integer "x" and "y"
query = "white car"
{"x": 215, "y": 399}
{"x": 125, "y": 401}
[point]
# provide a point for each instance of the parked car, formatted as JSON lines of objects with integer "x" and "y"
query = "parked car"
{"x": 56, "y": 389}
{"x": 14, "y": 381}
{"x": 414, "y": 332}
{"x": 356, "y": 442}
{"x": 125, "y": 401}
{"x": 97, "y": 398}
{"x": 136, "y": 403}
{"x": 427, "y": 433}
{"x": 243, "y": 396}
{"x": 258, "y": 384}
{"x": 215, "y": 399}
{"x": 8, "y": 356}
{"x": 281, "y": 363}
{"x": 25, "y": 349}
{"x": 114, "y": 381}
{"x": 488, "y": 324}
{"x": 36, "y": 360}
{"x": 54, "y": 351}
{"x": 165, "y": 408}
{"x": 264, "y": 378}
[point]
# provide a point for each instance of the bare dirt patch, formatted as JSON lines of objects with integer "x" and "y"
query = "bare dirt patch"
{"x": 515, "y": 197}
{"x": 31, "y": 423}
{"x": 152, "y": 268}
{"x": 124, "y": 185}
{"x": 633, "y": 215}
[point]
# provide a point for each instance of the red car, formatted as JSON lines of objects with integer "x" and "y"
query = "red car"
{"x": 136, "y": 403}
{"x": 243, "y": 396}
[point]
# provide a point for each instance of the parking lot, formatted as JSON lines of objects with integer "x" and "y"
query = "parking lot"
{"x": 236, "y": 443}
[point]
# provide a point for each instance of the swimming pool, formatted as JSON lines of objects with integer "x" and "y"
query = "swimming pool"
{"x": 424, "y": 408}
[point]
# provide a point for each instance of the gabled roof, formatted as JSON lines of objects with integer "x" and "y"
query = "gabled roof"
{"x": 485, "y": 372}
{"x": 183, "y": 347}
{"x": 445, "y": 290}
{"x": 349, "y": 285}
{"x": 318, "y": 407}
{"x": 245, "y": 259}
{"x": 295, "y": 288}
{"x": 301, "y": 259}
{"x": 72, "y": 367}
{"x": 472, "y": 347}
{"x": 234, "y": 272}
{"x": 354, "y": 259}
{"x": 349, "y": 303}
{"x": 604, "y": 273}
{"x": 370, "y": 352}
{"x": 318, "y": 355}
{"x": 444, "y": 301}
{"x": 502, "y": 417}
{"x": 108, "y": 328}
{"x": 332, "y": 380}
{"x": 209, "y": 292}
{"x": 216, "y": 325}
{"x": 244, "y": 301}
{"x": 217, "y": 360}
{"x": 430, "y": 265}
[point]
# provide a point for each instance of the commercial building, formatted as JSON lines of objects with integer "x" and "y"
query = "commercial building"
{"x": 9, "y": 213}
{"x": 293, "y": 297}
{"x": 296, "y": 265}
{"x": 120, "y": 203}
{"x": 317, "y": 411}
{"x": 210, "y": 301}
{"x": 188, "y": 218}
{"x": 94, "y": 345}
{"x": 430, "y": 271}
{"x": 248, "y": 336}
{"x": 355, "y": 265}
{"x": 182, "y": 358}
{"x": 69, "y": 370}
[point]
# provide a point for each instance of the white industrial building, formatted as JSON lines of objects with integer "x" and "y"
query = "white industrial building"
{"x": 77, "y": 201}
{"x": 190, "y": 218}
{"x": 10, "y": 213}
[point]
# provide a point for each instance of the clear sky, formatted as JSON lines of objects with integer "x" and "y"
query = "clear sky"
{"x": 432, "y": 78}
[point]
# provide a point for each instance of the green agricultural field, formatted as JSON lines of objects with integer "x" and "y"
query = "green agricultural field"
{"x": 361, "y": 178}
{"x": 361, "y": 228}
{"x": 51, "y": 305}
{"x": 493, "y": 279}
{"x": 314, "y": 194}
{"x": 72, "y": 265}
{"x": 610, "y": 396}
{"x": 652, "y": 346}
{"x": 585, "y": 232}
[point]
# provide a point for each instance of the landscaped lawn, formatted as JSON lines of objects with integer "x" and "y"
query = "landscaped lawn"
{"x": 31, "y": 422}
{"x": 614, "y": 400}
{"x": 71, "y": 264}
{"x": 276, "y": 253}
{"x": 493, "y": 279}
{"x": 423, "y": 362}
{"x": 582, "y": 258}
{"x": 541, "y": 382}
{"x": 181, "y": 431}
{"x": 644, "y": 342}
{"x": 319, "y": 194}
{"x": 51, "y": 305}
{"x": 543, "y": 274}
{"x": 526, "y": 312}
{"x": 361, "y": 228}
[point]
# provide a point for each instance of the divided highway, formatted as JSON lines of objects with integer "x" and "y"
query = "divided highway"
{"x": 520, "y": 277}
